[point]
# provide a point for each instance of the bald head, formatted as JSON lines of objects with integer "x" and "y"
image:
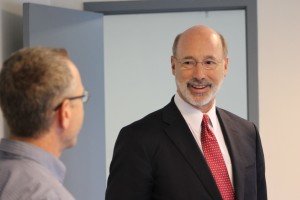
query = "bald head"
{"x": 200, "y": 31}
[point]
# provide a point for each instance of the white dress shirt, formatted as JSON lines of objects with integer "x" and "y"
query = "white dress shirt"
{"x": 193, "y": 118}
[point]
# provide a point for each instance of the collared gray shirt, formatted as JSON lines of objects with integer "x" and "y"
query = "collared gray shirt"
{"x": 30, "y": 173}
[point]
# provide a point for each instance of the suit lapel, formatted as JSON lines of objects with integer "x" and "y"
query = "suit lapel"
{"x": 179, "y": 132}
{"x": 231, "y": 136}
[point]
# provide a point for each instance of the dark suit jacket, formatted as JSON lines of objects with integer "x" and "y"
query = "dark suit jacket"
{"x": 157, "y": 158}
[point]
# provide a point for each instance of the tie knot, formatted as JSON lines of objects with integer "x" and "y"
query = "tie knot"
{"x": 205, "y": 125}
{"x": 205, "y": 120}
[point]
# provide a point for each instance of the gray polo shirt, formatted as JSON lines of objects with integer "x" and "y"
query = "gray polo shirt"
{"x": 28, "y": 172}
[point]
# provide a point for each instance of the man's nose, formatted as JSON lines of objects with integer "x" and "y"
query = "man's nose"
{"x": 199, "y": 71}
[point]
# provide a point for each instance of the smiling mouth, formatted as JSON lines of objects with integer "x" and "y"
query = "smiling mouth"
{"x": 198, "y": 86}
{"x": 199, "y": 89}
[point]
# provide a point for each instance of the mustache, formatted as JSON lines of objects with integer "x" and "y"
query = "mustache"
{"x": 199, "y": 82}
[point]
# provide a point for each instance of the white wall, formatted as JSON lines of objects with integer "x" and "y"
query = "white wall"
{"x": 279, "y": 90}
{"x": 279, "y": 83}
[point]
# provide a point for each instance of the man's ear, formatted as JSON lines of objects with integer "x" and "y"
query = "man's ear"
{"x": 173, "y": 64}
{"x": 226, "y": 66}
{"x": 65, "y": 114}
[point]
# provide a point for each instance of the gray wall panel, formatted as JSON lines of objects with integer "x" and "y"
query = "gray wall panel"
{"x": 81, "y": 33}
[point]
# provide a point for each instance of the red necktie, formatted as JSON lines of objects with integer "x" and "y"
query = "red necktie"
{"x": 215, "y": 161}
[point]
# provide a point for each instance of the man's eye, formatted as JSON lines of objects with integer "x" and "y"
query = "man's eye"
{"x": 188, "y": 62}
{"x": 209, "y": 62}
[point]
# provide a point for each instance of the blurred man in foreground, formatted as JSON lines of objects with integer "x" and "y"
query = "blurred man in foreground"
{"x": 41, "y": 96}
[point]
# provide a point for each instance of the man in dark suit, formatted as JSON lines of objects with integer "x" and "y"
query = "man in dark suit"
{"x": 190, "y": 149}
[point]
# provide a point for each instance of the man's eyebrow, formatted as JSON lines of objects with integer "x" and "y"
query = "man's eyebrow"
{"x": 210, "y": 57}
{"x": 205, "y": 57}
{"x": 189, "y": 57}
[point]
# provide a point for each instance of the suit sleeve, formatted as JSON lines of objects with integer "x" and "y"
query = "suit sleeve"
{"x": 260, "y": 168}
{"x": 130, "y": 170}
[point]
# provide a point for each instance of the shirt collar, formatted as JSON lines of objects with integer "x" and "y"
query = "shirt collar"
{"x": 29, "y": 151}
{"x": 194, "y": 116}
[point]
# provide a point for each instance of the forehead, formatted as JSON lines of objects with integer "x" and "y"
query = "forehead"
{"x": 199, "y": 43}
{"x": 75, "y": 73}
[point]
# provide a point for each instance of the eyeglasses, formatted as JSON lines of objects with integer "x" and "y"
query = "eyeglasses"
{"x": 208, "y": 64}
{"x": 85, "y": 98}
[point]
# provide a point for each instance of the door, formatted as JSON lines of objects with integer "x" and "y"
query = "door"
{"x": 81, "y": 33}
